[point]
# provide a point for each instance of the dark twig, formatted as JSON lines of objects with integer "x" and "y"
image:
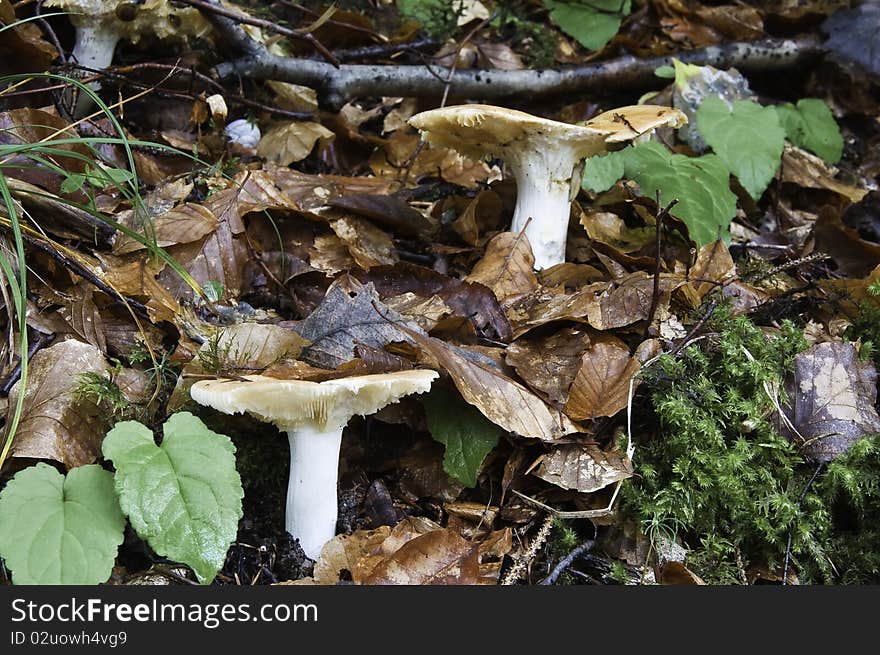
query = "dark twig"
{"x": 662, "y": 214}
{"x": 690, "y": 335}
{"x": 457, "y": 57}
{"x": 384, "y": 50}
{"x": 73, "y": 265}
{"x": 800, "y": 500}
{"x": 35, "y": 345}
{"x": 567, "y": 561}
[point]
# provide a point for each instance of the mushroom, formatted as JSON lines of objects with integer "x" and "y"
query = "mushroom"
{"x": 100, "y": 24}
{"x": 313, "y": 414}
{"x": 544, "y": 156}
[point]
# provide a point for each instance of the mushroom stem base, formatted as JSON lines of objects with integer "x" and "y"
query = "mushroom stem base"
{"x": 311, "y": 510}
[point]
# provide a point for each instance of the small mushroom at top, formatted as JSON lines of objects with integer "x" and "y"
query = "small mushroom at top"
{"x": 313, "y": 414}
{"x": 544, "y": 156}
{"x": 101, "y": 24}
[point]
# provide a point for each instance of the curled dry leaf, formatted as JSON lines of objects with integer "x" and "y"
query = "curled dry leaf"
{"x": 55, "y": 423}
{"x": 714, "y": 266}
{"x": 501, "y": 400}
{"x": 854, "y": 255}
{"x": 291, "y": 142}
{"x": 507, "y": 267}
{"x": 832, "y": 400}
{"x": 807, "y": 170}
{"x": 482, "y": 213}
{"x": 584, "y": 467}
{"x": 601, "y": 386}
{"x": 135, "y": 276}
{"x": 610, "y": 229}
{"x": 367, "y": 244}
{"x": 543, "y": 306}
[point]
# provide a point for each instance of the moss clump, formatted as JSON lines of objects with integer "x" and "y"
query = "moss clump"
{"x": 718, "y": 476}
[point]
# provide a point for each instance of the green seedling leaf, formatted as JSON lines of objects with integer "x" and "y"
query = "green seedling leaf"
{"x": 665, "y": 72}
{"x": 592, "y": 24}
{"x": 60, "y": 530}
{"x": 467, "y": 434}
{"x": 811, "y": 126}
{"x": 602, "y": 171}
{"x": 748, "y": 138}
{"x": 183, "y": 497}
{"x": 73, "y": 183}
{"x": 213, "y": 290}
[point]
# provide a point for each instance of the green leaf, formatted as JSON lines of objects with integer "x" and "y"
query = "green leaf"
{"x": 592, "y": 24}
{"x": 665, "y": 72}
{"x": 183, "y": 497}
{"x": 602, "y": 171}
{"x": 467, "y": 434}
{"x": 748, "y": 138}
{"x": 811, "y": 126}
{"x": 700, "y": 184}
{"x": 73, "y": 183}
{"x": 60, "y": 530}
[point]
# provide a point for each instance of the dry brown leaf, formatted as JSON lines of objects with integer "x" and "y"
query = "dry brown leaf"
{"x": 714, "y": 267}
{"x": 498, "y": 55}
{"x": 135, "y": 276}
{"x": 854, "y": 255}
{"x": 609, "y": 228}
{"x": 543, "y": 306}
{"x": 440, "y": 557}
{"x": 677, "y": 573}
{"x": 422, "y": 474}
{"x": 344, "y": 551}
{"x": 832, "y": 400}
{"x": 482, "y": 214}
{"x": 584, "y": 467}
{"x": 424, "y": 312}
{"x": 55, "y": 424}
{"x": 293, "y": 96}
{"x": 507, "y": 267}
{"x": 184, "y": 224}
{"x": 601, "y": 386}
{"x": 807, "y": 170}
{"x": 291, "y": 142}
{"x": 503, "y": 401}
{"x": 630, "y": 301}
{"x": 81, "y": 313}
{"x": 368, "y": 245}
{"x": 330, "y": 255}
{"x": 549, "y": 365}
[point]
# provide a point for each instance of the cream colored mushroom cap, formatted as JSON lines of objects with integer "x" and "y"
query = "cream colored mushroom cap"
{"x": 480, "y": 130}
{"x": 327, "y": 405}
{"x": 157, "y": 17}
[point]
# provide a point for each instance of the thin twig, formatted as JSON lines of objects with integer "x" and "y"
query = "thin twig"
{"x": 35, "y": 345}
{"x": 567, "y": 561}
{"x": 800, "y": 500}
{"x": 457, "y": 57}
{"x": 662, "y": 214}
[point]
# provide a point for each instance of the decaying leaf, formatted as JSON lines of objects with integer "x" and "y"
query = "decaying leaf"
{"x": 832, "y": 398}
{"x": 55, "y": 423}
{"x": 584, "y": 467}
{"x": 184, "y": 224}
{"x": 630, "y": 301}
{"x": 367, "y": 244}
{"x": 601, "y": 386}
{"x": 345, "y": 318}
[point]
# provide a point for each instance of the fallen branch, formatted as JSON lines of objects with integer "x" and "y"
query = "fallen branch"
{"x": 337, "y": 85}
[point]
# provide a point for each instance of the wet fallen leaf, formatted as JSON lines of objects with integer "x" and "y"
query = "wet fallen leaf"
{"x": 184, "y": 224}
{"x": 56, "y": 424}
{"x": 584, "y": 467}
{"x": 832, "y": 397}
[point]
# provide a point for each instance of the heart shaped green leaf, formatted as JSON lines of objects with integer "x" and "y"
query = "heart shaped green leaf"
{"x": 183, "y": 497}
{"x": 747, "y": 137}
{"x": 591, "y": 24}
{"x": 811, "y": 126}
{"x": 467, "y": 434}
{"x": 60, "y": 530}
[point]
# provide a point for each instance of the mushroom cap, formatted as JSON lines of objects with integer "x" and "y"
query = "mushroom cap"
{"x": 327, "y": 405}
{"x": 157, "y": 17}
{"x": 480, "y": 130}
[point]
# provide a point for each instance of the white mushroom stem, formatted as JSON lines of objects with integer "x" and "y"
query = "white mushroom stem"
{"x": 94, "y": 48}
{"x": 543, "y": 200}
{"x": 311, "y": 490}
